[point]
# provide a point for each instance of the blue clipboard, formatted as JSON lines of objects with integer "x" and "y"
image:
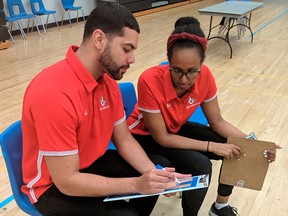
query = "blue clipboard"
{"x": 191, "y": 183}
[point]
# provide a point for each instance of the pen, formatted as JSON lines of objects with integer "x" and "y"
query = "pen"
{"x": 162, "y": 168}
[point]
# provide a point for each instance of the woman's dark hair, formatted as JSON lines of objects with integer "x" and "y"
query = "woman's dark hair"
{"x": 111, "y": 18}
{"x": 192, "y": 26}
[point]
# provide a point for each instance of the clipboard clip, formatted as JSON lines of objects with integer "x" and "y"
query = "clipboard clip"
{"x": 251, "y": 136}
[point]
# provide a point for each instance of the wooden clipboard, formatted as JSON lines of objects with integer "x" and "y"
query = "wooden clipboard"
{"x": 250, "y": 171}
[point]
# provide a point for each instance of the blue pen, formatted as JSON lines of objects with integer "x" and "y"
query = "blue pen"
{"x": 162, "y": 168}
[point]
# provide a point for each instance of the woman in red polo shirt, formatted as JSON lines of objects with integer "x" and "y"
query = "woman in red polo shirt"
{"x": 167, "y": 96}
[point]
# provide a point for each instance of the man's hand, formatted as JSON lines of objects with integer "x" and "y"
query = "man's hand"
{"x": 156, "y": 181}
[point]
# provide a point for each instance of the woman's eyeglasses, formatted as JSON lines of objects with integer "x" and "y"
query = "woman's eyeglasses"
{"x": 191, "y": 73}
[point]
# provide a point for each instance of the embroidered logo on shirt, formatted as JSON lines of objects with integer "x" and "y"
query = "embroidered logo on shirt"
{"x": 192, "y": 103}
{"x": 191, "y": 100}
{"x": 103, "y": 103}
{"x": 168, "y": 105}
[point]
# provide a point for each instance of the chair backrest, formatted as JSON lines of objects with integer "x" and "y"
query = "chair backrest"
{"x": 67, "y": 3}
{"x": 128, "y": 96}
{"x": 129, "y": 100}
{"x": 40, "y": 6}
{"x": 198, "y": 116}
{"x": 11, "y": 144}
{"x": 16, "y": 3}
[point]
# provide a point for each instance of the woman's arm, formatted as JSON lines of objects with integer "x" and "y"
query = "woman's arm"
{"x": 156, "y": 125}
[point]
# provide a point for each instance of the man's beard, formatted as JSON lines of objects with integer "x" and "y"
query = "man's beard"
{"x": 111, "y": 67}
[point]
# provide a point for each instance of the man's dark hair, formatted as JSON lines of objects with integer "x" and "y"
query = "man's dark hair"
{"x": 111, "y": 18}
{"x": 190, "y": 25}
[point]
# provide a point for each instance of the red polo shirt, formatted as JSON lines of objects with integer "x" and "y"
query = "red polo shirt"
{"x": 156, "y": 94}
{"x": 65, "y": 112}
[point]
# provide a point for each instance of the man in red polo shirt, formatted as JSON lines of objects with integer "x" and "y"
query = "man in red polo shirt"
{"x": 71, "y": 110}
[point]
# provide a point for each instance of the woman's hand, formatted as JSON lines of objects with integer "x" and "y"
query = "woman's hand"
{"x": 271, "y": 154}
{"x": 226, "y": 150}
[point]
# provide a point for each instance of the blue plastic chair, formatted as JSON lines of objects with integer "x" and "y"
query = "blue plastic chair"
{"x": 68, "y": 6}
{"x": 12, "y": 4}
{"x": 129, "y": 100}
{"x": 11, "y": 20}
{"x": 11, "y": 144}
{"x": 38, "y": 9}
{"x": 128, "y": 96}
{"x": 198, "y": 116}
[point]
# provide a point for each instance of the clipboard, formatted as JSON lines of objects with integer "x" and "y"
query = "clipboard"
{"x": 249, "y": 171}
{"x": 191, "y": 183}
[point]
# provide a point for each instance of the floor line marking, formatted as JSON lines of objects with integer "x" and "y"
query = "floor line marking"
{"x": 269, "y": 23}
{"x": 6, "y": 201}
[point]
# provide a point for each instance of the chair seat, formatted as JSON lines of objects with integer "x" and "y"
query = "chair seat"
{"x": 72, "y": 8}
{"x": 44, "y": 12}
{"x": 12, "y": 19}
{"x": 23, "y": 16}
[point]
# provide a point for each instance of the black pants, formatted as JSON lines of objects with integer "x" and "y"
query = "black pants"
{"x": 111, "y": 164}
{"x": 189, "y": 162}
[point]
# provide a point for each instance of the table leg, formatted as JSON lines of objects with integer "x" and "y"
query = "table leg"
{"x": 226, "y": 39}
{"x": 210, "y": 27}
{"x": 244, "y": 25}
{"x": 231, "y": 25}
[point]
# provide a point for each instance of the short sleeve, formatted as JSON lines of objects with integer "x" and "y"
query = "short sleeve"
{"x": 212, "y": 87}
